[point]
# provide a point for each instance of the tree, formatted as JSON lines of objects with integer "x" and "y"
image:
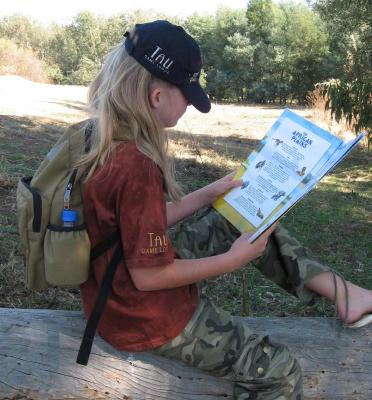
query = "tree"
{"x": 289, "y": 46}
{"x": 23, "y": 32}
{"x": 303, "y": 41}
{"x": 263, "y": 22}
{"x": 349, "y": 92}
{"x": 78, "y": 48}
{"x": 226, "y": 51}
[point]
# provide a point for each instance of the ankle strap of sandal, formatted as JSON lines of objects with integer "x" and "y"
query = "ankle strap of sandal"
{"x": 335, "y": 274}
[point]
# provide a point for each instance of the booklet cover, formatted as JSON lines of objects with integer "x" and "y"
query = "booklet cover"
{"x": 288, "y": 162}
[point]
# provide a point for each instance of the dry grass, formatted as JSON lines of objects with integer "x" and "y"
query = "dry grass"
{"x": 205, "y": 147}
{"x": 21, "y": 61}
{"x": 323, "y": 117}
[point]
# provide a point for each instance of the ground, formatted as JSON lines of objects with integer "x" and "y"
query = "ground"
{"x": 334, "y": 220}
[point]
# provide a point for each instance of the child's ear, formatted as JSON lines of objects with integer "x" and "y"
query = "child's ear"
{"x": 155, "y": 96}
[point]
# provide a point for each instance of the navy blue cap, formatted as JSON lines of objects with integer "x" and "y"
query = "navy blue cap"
{"x": 170, "y": 54}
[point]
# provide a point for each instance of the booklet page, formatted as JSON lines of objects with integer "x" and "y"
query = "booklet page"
{"x": 318, "y": 173}
{"x": 287, "y": 157}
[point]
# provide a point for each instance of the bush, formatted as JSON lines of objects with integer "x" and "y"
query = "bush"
{"x": 15, "y": 60}
{"x": 55, "y": 74}
{"x": 86, "y": 72}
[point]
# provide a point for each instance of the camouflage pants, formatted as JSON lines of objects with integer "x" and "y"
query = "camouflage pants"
{"x": 223, "y": 344}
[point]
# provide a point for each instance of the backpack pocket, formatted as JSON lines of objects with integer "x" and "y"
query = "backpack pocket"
{"x": 66, "y": 255}
{"x": 31, "y": 216}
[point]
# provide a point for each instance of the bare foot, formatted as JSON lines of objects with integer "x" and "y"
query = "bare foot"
{"x": 360, "y": 302}
{"x": 360, "y": 299}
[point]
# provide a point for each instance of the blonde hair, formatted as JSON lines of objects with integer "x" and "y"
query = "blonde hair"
{"x": 118, "y": 100}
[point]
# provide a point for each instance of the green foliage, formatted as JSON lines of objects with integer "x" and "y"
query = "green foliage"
{"x": 290, "y": 43}
{"x": 54, "y": 73}
{"x": 85, "y": 73}
{"x": 270, "y": 52}
{"x": 261, "y": 19}
{"x": 24, "y": 32}
{"x": 349, "y": 90}
{"x": 226, "y": 51}
{"x": 76, "y": 47}
{"x": 351, "y": 100}
{"x": 306, "y": 43}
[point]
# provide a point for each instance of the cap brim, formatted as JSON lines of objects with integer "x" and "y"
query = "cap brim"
{"x": 196, "y": 96}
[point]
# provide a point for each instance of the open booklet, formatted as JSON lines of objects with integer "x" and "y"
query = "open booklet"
{"x": 288, "y": 162}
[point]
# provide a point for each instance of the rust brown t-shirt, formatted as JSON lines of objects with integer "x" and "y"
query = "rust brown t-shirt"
{"x": 127, "y": 193}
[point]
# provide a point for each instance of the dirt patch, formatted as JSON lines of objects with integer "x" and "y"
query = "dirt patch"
{"x": 21, "y": 97}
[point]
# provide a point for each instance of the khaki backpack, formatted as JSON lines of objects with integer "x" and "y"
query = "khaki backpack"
{"x": 55, "y": 254}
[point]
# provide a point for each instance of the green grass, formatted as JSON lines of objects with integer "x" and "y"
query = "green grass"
{"x": 334, "y": 220}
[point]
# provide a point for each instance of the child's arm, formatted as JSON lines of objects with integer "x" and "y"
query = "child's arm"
{"x": 200, "y": 198}
{"x": 185, "y": 272}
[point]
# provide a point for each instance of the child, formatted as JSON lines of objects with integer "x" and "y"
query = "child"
{"x": 145, "y": 85}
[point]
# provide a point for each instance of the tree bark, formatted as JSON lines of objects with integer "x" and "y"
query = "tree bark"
{"x": 38, "y": 349}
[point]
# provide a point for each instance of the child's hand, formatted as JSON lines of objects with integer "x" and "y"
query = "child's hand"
{"x": 244, "y": 252}
{"x": 213, "y": 190}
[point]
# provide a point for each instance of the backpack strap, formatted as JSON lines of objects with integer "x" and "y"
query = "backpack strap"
{"x": 88, "y": 136}
{"x": 91, "y": 326}
{"x": 98, "y": 250}
{"x": 71, "y": 181}
{"x": 105, "y": 245}
{"x": 37, "y": 204}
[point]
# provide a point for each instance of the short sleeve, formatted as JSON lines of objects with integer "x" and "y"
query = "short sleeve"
{"x": 143, "y": 221}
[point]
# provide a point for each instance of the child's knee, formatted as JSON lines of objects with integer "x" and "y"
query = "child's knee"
{"x": 270, "y": 370}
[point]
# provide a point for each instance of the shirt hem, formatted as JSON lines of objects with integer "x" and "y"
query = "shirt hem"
{"x": 152, "y": 343}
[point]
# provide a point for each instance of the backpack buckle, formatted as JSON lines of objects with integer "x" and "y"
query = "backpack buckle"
{"x": 66, "y": 196}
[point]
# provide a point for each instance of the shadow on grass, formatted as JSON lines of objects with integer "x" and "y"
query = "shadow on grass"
{"x": 333, "y": 220}
{"x": 73, "y": 105}
{"x": 236, "y": 146}
{"x": 28, "y": 135}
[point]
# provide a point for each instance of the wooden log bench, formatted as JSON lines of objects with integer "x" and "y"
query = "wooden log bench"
{"x": 38, "y": 349}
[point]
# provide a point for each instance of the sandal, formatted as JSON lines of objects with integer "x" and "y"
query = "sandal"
{"x": 364, "y": 320}
{"x": 335, "y": 274}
